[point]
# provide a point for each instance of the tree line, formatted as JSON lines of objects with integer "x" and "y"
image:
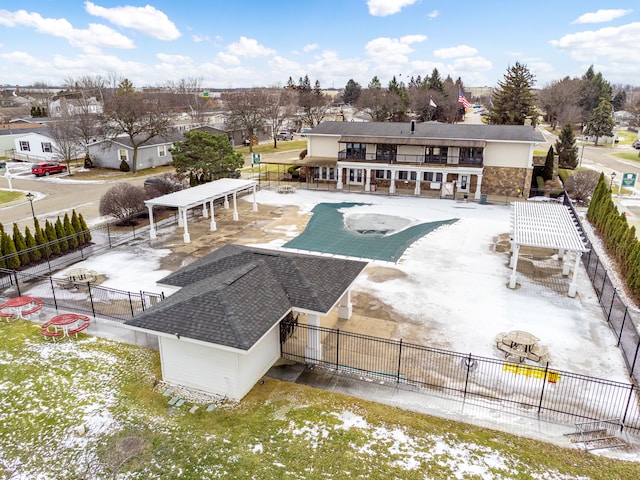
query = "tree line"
{"x": 21, "y": 249}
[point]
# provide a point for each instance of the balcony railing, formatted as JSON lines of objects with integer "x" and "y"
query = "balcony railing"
{"x": 406, "y": 159}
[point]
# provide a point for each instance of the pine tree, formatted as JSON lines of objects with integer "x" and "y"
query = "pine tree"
{"x": 601, "y": 121}
{"x": 547, "y": 170}
{"x": 9, "y": 250}
{"x": 32, "y": 244}
{"x": 52, "y": 239}
{"x": 3, "y": 262}
{"x": 566, "y": 148}
{"x": 61, "y": 234}
{"x": 75, "y": 223}
{"x": 514, "y": 101}
{"x": 85, "y": 229}
{"x": 70, "y": 232}
{"x": 41, "y": 240}
{"x": 21, "y": 245}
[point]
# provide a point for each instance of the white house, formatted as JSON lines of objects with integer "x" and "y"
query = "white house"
{"x": 219, "y": 331}
{"x": 34, "y": 147}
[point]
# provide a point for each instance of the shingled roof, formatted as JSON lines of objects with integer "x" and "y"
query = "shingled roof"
{"x": 432, "y": 130}
{"x": 236, "y": 294}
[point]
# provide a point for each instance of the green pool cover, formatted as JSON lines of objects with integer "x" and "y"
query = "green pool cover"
{"x": 326, "y": 232}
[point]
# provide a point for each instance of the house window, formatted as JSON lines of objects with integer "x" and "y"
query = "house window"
{"x": 432, "y": 177}
{"x": 24, "y": 146}
{"x": 403, "y": 175}
{"x": 413, "y": 176}
{"x": 356, "y": 150}
{"x": 122, "y": 155}
{"x": 382, "y": 174}
{"x": 325, "y": 173}
{"x": 162, "y": 150}
{"x": 470, "y": 154}
{"x": 386, "y": 152}
{"x": 46, "y": 147}
{"x": 435, "y": 154}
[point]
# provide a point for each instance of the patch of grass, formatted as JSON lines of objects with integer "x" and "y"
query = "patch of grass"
{"x": 7, "y": 196}
{"x": 633, "y": 156}
{"x": 113, "y": 174}
{"x": 87, "y": 408}
{"x": 268, "y": 147}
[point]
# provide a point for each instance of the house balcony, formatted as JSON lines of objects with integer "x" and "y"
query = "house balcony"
{"x": 406, "y": 159}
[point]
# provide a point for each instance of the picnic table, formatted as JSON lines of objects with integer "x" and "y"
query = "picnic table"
{"x": 286, "y": 189}
{"x": 20, "y": 307}
{"x": 80, "y": 276}
{"x": 64, "y": 325}
{"x": 521, "y": 345}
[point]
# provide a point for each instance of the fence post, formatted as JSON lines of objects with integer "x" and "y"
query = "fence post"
{"x": 15, "y": 276}
{"x": 53, "y": 293}
{"x": 613, "y": 299}
{"x": 142, "y": 300}
{"x": 109, "y": 235}
{"x": 337, "y": 349}
{"x": 544, "y": 384}
{"x": 604, "y": 279}
{"x": 626, "y": 410}
{"x": 635, "y": 357}
{"x": 131, "y": 304}
{"x": 467, "y": 364}
{"x": 399, "y": 361}
{"x": 624, "y": 319}
{"x": 93, "y": 310}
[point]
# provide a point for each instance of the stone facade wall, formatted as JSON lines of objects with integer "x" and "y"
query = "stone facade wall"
{"x": 506, "y": 181}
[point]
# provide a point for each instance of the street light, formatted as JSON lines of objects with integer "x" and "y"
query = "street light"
{"x": 581, "y": 154}
{"x": 30, "y": 197}
{"x": 613, "y": 175}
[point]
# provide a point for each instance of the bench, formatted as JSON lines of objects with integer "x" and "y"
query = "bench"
{"x": 508, "y": 351}
{"x": 75, "y": 331}
{"x": 539, "y": 353}
{"x": 52, "y": 334}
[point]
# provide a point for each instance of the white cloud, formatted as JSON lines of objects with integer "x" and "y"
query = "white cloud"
{"x": 283, "y": 66}
{"x": 179, "y": 59}
{"x": 329, "y": 68}
{"x": 433, "y": 14}
{"x": 89, "y": 40}
{"x": 227, "y": 59}
{"x": 601, "y": 16}
{"x": 409, "y": 39}
{"x": 391, "y": 51}
{"x": 615, "y": 43}
{"x": 383, "y": 8}
{"x": 249, "y": 47}
{"x": 453, "y": 52}
{"x": 145, "y": 19}
{"x": 311, "y": 47}
{"x": 199, "y": 39}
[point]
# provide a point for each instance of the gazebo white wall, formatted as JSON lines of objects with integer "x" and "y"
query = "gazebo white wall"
{"x": 200, "y": 196}
{"x": 546, "y": 225}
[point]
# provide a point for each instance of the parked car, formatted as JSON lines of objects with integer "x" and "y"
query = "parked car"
{"x": 284, "y": 136}
{"x": 47, "y": 168}
{"x": 636, "y": 144}
{"x": 304, "y": 131}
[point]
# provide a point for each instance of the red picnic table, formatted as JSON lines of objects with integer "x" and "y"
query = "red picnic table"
{"x": 64, "y": 325}
{"x": 20, "y": 307}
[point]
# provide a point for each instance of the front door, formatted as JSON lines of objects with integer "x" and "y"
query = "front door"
{"x": 355, "y": 176}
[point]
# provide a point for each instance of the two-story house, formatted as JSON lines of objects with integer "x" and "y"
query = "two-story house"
{"x": 423, "y": 158}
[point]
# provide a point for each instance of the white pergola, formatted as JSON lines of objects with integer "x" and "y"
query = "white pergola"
{"x": 201, "y": 196}
{"x": 546, "y": 225}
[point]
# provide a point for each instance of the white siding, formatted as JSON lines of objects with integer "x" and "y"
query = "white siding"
{"x": 517, "y": 155}
{"x": 321, "y": 146}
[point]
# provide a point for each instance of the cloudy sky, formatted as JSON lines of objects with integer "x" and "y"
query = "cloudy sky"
{"x": 243, "y": 43}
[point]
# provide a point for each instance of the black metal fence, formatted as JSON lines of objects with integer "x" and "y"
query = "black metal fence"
{"x": 61, "y": 294}
{"x": 620, "y": 319}
{"x": 549, "y": 393}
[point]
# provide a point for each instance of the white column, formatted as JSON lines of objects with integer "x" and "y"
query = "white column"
{"x": 345, "y": 307}
{"x": 235, "y": 207}
{"x": 255, "y": 204}
{"x": 560, "y": 253}
{"x": 478, "y": 193}
{"x": 392, "y": 187}
{"x": 179, "y": 217}
{"x": 574, "y": 286}
{"x": 186, "y": 237}
{"x": 205, "y": 214}
{"x": 416, "y": 191}
{"x": 226, "y": 202}
{"x": 514, "y": 261}
{"x": 152, "y": 226}
{"x": 339, "y": 185}
{"x": 566, "y": 264}
{"x": 367, "y": 181}
{"x": 214, "y": 227}
{"x": 313, "y": 351}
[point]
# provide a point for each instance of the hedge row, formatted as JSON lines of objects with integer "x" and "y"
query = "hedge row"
{"x": 22, "y": 249}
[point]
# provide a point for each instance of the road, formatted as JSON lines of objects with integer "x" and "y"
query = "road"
{"x": 55, "y": 196}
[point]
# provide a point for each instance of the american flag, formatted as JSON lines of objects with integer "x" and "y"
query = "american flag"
{"x": 463, "y": 100}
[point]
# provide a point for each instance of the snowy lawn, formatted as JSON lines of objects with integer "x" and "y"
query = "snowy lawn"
{"x": 88, "y": 408}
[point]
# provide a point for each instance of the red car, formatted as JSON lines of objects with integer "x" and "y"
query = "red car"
{"x": 47, "y": 168}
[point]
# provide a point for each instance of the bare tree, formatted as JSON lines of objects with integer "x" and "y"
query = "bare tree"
{"x": 140, "y": 117}
{"x": 246, "y": 110}
{"x": 581, "y": 185}
{"x": 190, "y": 92}
{"x": 278, "y": 108}
{"x": 378, "y": 103}
{"x": 314, "y": 104}
{"x": 559, "y": 101}
{"x": 69, "y": 144}
{"x": 122, "y": 201}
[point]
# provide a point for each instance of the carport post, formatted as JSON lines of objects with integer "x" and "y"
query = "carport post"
{"x": 514, "y": 261}
{"x": 205, "y": 214}
{"x": 255, "y": 205}
{"x": 226, "y": 202}
{"x": 152, "y": 227}
{"x": 235, "y": 206}
{"x": 214, "y": 227}
{"x": 186, "y": 237}
{"x": 574, "y": 286}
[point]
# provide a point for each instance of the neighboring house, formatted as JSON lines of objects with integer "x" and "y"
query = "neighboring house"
{"x": 74, "y": 106}
{"x": 219, "y": 332}
{"x": 154, "y": 153}
{"x": 423, "y": 157}
{"x": 33, "y": 147}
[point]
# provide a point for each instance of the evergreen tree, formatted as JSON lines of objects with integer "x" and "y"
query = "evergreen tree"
{"x": 34, "y": 252}
{"x": 601, "y": 121}
{"x": 52, "y": 239}
{"x": 374, "y": 83}
{"x": 566, "y": 148}
{"x": 70, "y": 232}
{"x": 547, "y": 171}
{"x": 85, "y": 230}
{"x": 593, "y": 87}
{"x": 351, "y": 92}
{"x": 514, "y": 101}
{"x": 75, "y": 223}
{"x": 290, "y": 85}
{"x": 619, "y": 100}
{"x": 21, "y": 245}
{"x": 9, "y": 250}
{"x": 435, "y": 82}
{"x": 61, "y": 234}
{"x": 41, "y": 240}
{"x": 3, "y": 263}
